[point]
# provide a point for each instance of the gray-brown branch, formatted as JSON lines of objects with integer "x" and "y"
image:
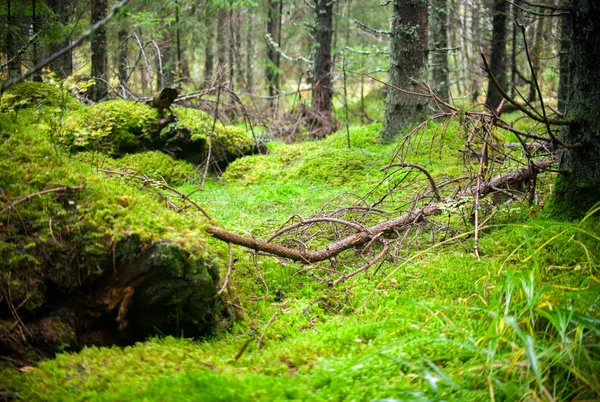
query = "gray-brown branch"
{"x": 502, "y": 181}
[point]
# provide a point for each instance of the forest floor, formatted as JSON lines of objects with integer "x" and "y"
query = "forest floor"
{"x": 519, "y": 323}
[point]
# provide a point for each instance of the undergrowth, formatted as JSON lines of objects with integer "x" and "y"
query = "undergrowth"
{"x": 521, "y": 323}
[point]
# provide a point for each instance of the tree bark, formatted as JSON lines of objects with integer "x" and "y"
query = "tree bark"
{"x": 35, "y": 27}
{"x": 408, "y": 54}
{"x": 577, "y": 187}
{"x": 565, "y": 50}
{"x": 209, "y": 52}
{"x": 273, "y": 58}
{"x": 439, "y": 59}
{"x": 222, "y": 65}
{"x": 99, "y": 54}
{"x": 498, "y": 57}
{"x": 366, "y": 235}
{"x": 536, "y": 49}
{"x": 250, "y": 53}
{"x": 322, "y": 90}
{"x": 123, "y": 35}
{"x": 12, "y": 40}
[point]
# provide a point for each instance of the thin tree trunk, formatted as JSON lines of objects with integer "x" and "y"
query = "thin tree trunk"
{"x": 34, "y": 27}
{"x": 123, "y": 66}
{"x": 408, "y": 54}
{"x": 273, "y": 24}
{"x": 222, "y": 67}
{"x": 249, "y": 54}
{"x": 476, "y": 37}
{"x": 99, "y": 55}
{"x": 179, "y": 65}
{"x": 12, "y": 40}
{"x": 498, "y": 57}
{"x": 439, "y": 31}
{"x": 513, "y": 55}
{"x": 322, "y": 90}
{"x": 535, "y": 57}
{"x": 209, "y": 52}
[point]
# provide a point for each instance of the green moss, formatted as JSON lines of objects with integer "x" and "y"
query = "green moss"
{"x": 228, "y": 142}
{"x": 35, "y": 94}
{"x": 154, "y": 164}
{"x": 571, "y": 201}
{"x": 113, "y": 127}
{"x": 328, "y": 162}
{"x": 41, "y": 240}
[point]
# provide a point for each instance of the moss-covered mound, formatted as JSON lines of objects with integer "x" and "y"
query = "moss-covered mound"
{"x": 119, "y": 127}
{"x": 152, "y": 164}
{"x": 70, "y": 233}
{"x": 329, "y": 161}
{"x": 34, "y": 94}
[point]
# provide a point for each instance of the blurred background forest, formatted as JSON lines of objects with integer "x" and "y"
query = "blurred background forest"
{"x": 271, "y": 56}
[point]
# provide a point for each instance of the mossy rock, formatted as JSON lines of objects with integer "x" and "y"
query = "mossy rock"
{"x": 34, "y": 94}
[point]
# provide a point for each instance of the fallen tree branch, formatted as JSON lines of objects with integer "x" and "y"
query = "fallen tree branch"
{"x": 366, "y": 235}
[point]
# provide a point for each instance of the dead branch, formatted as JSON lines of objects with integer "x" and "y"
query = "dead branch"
{"x": 422, "y": 169}
{"x": 262, "y": 334}
{"x": 39, "y": 193}
{"x": 146, "y": 180}
{"x": 366, "y": 235}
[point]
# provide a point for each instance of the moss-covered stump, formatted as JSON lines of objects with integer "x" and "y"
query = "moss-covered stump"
{"x": 162, "y": 289}
{"x": 88, "y": 259}
{"x": 119, "y": 127}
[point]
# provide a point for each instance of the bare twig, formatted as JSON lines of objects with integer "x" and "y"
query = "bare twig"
{"x": 229, "y": 269}
{"x": 262, "y": 334}
{"x": 418, "y": 167}
{"x": 30, "y": 196}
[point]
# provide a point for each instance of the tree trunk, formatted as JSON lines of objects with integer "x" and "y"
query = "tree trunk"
{"x": 179, "y": 61}
{"x": 123, "y": 35}
{"x": 322, "y": 90}
{"x": 209, "y": 52}
{"x": 12, "y": 40}
{"x": 272, "y": 29}
{"x": 249, "y": 53}
{"x": 498, "y": 57}
{"x": 168, "y": 64}
{"x": 565, "y": 50}
{"x": 476, "y": 37}
{"x": 35, "y": 26}
{"x": 439, "y": 33}
{"x": 99, "y": 56}
{"x": 577, "y": 187}
{"x": 535, "y": 57}
{"x": 62, "y": 66}
{"x": 513, "y": 55}
{"x": 222, "y": 67}
{"x": 408, "y": 53}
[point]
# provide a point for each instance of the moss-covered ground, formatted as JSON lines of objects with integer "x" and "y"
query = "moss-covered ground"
{"x": 521, "y": 323}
